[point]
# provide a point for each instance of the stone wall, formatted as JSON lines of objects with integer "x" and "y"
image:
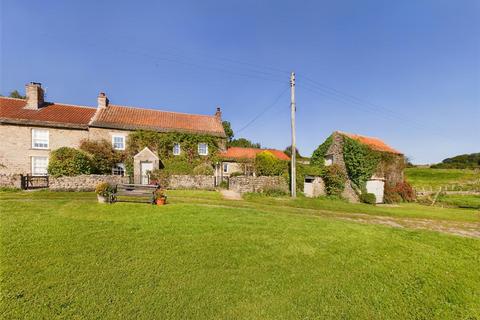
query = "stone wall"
{"x": 83, "y": 182}
{"x": 244, "y": 184}
{"x": 11, "y": 181}
{"x": 191, "y": 182}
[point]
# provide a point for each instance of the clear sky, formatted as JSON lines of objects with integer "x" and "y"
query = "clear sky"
{"x": 405, "y": 71}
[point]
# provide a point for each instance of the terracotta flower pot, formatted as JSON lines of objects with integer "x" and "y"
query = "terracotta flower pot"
{"x": 101, "y": 199}
{"x": 160, "y": 201}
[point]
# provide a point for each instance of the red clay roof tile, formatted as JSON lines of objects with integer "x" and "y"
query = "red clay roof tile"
{"x": 118, "y": 117}
{"x": 373, "y": 143}
{"x": 129, "y": 118}
{"x": 55, "y": 114}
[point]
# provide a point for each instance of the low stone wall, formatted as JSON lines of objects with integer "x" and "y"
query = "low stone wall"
{"x": 11, "y": 180}
{"x": 83, "y": 182}
{"x": 191, "y": 182}
{"x": 244, "y": 184}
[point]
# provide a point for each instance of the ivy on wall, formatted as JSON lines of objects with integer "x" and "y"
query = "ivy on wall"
{"x": 163, "y": 142}
{"x": 318, "y": 156}
{"x": 361, "y": 161}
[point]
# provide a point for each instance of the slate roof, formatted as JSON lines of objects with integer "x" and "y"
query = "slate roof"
{"x": 237, "y": 153}
{"x": 373, "y": 143}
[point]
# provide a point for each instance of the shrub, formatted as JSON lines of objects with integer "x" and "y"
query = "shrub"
{"x": 274, "y": 192}
{"x": 406, "y": 192}
{"x": 334, "y": 178}
{"x": 67, "y": 161}
{"x": 203, "y": 169}
{"x": 368, "y": 198}
{"x": 402, "y": 191}
{"x": 223, "y": 185}
{"x": 103, "y": 156}
{"x": 266, "y": 164}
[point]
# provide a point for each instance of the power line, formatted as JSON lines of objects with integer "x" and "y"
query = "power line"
{"x": 369, "y": 107}
{"x": 362, "y": 102}
{"x": 261, "y": 113}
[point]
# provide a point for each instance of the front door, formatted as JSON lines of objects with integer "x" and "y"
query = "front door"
{"x": 145, "y": 169}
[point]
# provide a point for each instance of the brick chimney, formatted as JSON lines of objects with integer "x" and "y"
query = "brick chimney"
{"x": 35, "y": 94}
{"x": 102, "y": 100}
{"x": 218, "y": 114}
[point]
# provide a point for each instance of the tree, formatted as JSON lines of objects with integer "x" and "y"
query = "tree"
{"x": 244, "y": 143}
{"x": 288, "y": 151}
{"x": 228, "y": 130}
{"x": 103, "y": 156}
{"x": 16, "y": 94}
{"x": 266, "y": 164}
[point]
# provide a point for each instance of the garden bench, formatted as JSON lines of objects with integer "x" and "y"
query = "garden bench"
{"x": 140, "y": 193}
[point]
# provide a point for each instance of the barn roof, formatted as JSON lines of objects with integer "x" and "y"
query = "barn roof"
{"x": 373, "y": 143}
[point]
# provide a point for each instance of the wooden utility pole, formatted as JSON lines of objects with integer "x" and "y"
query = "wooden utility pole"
{"x": 293, "y": 174}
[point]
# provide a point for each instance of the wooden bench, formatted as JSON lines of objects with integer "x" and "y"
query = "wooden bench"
{"x": 135, "y": 193}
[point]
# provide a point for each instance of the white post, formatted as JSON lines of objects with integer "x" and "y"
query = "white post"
{"x": 294, "y": 147}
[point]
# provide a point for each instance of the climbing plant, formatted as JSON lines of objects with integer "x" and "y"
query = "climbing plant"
{"x": 163, "y": 142}
{"x": 360, "y": 161}
{"x": 318, "y": 156}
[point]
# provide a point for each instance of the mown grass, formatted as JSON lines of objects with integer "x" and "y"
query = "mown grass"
{"x": 435, "y": 178}
{"x": 65, "y": 256}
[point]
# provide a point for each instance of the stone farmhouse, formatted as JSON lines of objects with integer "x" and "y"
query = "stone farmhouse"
{"x": 241, "y": 160}
{"x": 30, "y": 128}
{"x": 390, "y": 171}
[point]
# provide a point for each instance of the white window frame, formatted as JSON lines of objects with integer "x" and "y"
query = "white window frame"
{"x": 225, "y": 168}
{"x": 40, "y": 140}
{"x": 176, "y": 152}
{"x": 34, "y": 167}
{"x": 200, "y": 149}
{"x": 113, "y": 141}
{"x": 119, "y": 165}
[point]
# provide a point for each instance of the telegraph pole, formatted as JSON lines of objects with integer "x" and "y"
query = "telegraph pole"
{"x": 293, "y": 174}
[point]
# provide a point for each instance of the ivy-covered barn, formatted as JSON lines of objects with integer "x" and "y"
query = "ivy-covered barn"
{"x": 368, "y": 164}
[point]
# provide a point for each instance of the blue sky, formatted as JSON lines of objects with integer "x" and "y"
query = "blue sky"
{"x": 405, "y": 71}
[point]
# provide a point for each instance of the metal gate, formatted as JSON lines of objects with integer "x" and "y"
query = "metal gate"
{"x": 34, "y": 182}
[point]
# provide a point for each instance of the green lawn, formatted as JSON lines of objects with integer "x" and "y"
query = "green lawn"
{"x": 435, "y": 178}
{"x": 64, "y": 256}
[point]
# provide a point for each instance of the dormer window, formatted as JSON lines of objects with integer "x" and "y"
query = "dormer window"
{"x": 40, "y": 139}
{"x": 176, "y": 149}
{"x": 118, "y": 142}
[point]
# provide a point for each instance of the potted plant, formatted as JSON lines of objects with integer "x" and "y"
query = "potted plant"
{"x": 103, "y": 192}
{"x": 160, "y": 197}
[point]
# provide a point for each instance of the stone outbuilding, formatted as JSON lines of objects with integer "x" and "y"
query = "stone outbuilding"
{"x": 390, "y": 171}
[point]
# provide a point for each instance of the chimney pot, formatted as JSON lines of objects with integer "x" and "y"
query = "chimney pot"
{"x": 35, "y": 95}
{"x": 102, "y": 100}
{"x": 218, "y": 113}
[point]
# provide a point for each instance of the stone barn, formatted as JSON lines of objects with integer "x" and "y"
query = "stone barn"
{"x": 349, "y": 152}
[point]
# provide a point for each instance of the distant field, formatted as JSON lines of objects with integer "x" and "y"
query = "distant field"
{"x": 464, "y": 179}
{"x": 461, "y": 201}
